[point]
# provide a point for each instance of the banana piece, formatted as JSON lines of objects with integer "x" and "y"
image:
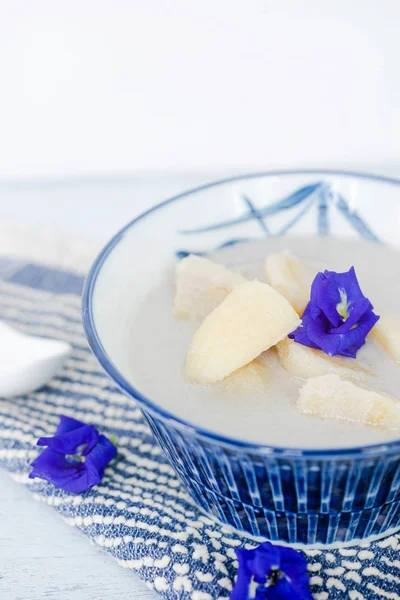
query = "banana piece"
{"x": 301, "y": 361}
{"x": 200, "y": 285}
{"x": 291, "y": 277}
{"x": 252, "y": 378}
{"x": 387, "y": 332}
{"x": 250, "y": 320}
{"x": 330, "y": 397}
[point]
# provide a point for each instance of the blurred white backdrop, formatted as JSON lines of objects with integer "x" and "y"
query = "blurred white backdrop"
{"x": 127, "y": 86}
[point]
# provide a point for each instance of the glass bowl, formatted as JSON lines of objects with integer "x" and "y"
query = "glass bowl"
{"x": 313, "y": 497}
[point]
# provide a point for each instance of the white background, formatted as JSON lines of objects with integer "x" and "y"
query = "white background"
{"x": 126, "y": 86}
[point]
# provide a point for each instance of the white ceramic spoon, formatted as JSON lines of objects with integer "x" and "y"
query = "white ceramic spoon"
{"x": 27, "y": 363}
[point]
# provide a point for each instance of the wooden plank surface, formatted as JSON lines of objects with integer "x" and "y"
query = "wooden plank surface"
{"x": 41, "y": 557}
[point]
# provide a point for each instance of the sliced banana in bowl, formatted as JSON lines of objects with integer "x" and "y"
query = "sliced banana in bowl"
{"x": 252, "y": 378}
{"x": 331, "y": 397}
{"x": 291, "y": 277}
{"x": 201, "y": 285}
{"x": 251, "y": 319}
{"x": 387, "y": 333}
{"x": 304, "y": 362}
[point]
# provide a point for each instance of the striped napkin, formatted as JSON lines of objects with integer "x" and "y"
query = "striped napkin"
{"x": 140, "y": 512}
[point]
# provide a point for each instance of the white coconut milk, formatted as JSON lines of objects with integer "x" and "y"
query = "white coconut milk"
{"x": 159, "y": 344}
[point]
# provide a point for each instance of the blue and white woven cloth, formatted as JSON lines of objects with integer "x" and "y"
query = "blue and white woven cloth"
{"x": 140, "y": 513}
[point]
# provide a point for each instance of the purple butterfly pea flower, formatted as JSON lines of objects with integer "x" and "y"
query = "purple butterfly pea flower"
{"x": 278, "y": 573}
{"x": 75, "y": 457}
{"x": 338, "y": 317}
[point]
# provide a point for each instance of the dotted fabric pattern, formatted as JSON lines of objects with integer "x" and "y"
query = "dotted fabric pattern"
{"x": 140, "y": 513}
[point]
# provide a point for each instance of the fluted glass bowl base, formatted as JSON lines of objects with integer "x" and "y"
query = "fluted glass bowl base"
{"x": 301, "y": 545}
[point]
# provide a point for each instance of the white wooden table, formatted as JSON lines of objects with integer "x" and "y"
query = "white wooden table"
{"x": 41, "y": 556}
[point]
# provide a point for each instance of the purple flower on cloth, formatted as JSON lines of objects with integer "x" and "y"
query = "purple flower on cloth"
{"x": 75, "y": 457}
{"x": 338, "y": 317}
{"x": 275, "y": 572}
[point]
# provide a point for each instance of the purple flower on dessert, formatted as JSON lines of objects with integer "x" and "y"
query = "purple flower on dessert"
{"x": 338, "y": 317}
{"x": 275, "y": 572}
{"x": 75, "y": 458}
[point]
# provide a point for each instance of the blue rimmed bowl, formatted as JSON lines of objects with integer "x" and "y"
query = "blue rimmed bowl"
{"x": 292, "y": 495}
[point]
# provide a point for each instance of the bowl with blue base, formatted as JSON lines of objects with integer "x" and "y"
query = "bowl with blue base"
{"x": 305, "y": 497}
